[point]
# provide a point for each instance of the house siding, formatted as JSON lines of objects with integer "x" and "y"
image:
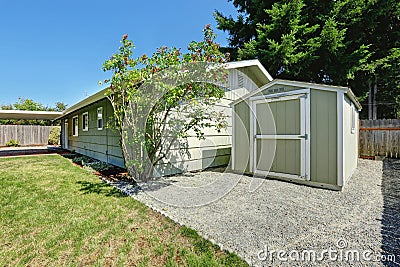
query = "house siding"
{"x": 214, "y": 150}
{"x": 99, "y": 144}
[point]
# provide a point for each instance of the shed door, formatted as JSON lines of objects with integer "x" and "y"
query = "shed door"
{"x": 281, "y": 136}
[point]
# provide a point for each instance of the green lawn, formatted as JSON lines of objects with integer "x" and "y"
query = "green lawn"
{"x": 54, "y": 213}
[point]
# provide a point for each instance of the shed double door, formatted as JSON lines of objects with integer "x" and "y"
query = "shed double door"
{"x": 280, "y": 132}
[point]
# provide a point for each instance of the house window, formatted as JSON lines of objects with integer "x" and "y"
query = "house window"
{"x": 75, "y": 126}
{"x": 85, "y": 121}
{"x": 100, "y": 118}
{"x": 353, "y": 119}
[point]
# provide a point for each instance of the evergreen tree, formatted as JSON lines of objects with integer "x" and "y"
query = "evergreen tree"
{"x": 342, "y": 42}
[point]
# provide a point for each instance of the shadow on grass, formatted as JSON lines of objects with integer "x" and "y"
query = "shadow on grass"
{"x": 391, "y": 211}
{"x": 100, "y": 189}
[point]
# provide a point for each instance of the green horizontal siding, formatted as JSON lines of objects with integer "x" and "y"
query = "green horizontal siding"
{"x": 99, "y": 144}
{"x": 170, "y": 168}
{"x": 104, "y": 144}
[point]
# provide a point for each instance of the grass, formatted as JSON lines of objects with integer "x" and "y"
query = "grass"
{"x": 55, "y": 214}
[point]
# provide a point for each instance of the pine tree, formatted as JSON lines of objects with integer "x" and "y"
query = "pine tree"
{"x": 342, "y": 42}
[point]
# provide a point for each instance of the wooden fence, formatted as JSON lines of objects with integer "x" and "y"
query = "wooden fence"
{"x": 379, "y": 138}
{"x": 25, "y": 134}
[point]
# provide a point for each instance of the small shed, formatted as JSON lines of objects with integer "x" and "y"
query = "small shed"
{"x": 301, "y": 132}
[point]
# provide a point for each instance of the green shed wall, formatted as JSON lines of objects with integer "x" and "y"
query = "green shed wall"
{"x": 350, "y": 140}
{"x": 241, "y": 140}
{"x": 323, "y": 136}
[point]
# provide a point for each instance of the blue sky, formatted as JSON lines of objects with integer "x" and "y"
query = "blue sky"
{"x": 53, "y": 50}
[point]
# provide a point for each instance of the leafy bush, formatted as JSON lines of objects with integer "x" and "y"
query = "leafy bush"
{"x": 69, "y": 155}
{"x": 54, "y": 137}
{"x": 13, "y": 143}
{"x": 99, "y": 166}
{"x": 82, "y": 160}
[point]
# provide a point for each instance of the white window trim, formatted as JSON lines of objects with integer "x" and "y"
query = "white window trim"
{"x": 353, "y": 119}
{"x": 100, "y": 117}
{"x": 85, "y": 126}
{"x": 75, "y": 127}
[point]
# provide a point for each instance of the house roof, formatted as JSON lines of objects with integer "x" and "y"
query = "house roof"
{"x": 257, "y": 72}
{"x": 29, "y": 115}
{"x": 325, "y": 87}
{"x": 85, "y": 102}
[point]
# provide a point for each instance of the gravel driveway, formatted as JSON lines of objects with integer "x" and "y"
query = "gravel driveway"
{"x": 299, "y": 220}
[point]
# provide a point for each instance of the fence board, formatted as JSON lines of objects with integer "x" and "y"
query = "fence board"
{"x": 25, "y": 134}
{"x": 379, "y": 138}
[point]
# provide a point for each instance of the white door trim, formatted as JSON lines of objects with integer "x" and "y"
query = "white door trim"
{"x": 340, "y": 142}
{"x": 304, "y": 96}
{"x": 280, "y": 136}
{"x": 278, "y": 174}
{"x": 282, "y": 96}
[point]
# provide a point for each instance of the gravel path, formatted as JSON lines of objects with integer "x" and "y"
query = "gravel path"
{"x": 365, "y": 216}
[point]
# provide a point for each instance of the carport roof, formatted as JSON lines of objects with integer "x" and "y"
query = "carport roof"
{"x": 29, "y": 115}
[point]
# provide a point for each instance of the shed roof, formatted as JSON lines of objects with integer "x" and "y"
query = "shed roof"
{"x": 29, "y": 115}
{"x": 318, "y": 86}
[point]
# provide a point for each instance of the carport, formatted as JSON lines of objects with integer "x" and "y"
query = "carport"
{"x": 29, "y": 115}
{"x": 26, "y": 135}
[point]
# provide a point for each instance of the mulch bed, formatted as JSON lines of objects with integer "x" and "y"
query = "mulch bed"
{"x": 111, "y": 174}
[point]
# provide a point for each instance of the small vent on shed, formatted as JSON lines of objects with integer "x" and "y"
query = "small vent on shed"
{"x": 240, "y": 80}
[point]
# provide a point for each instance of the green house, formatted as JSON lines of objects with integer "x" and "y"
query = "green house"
{"x": 85, "y": 126}
{"x": 300, "y": 132}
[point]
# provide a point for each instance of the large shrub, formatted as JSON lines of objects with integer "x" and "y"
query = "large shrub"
{"x": 160, "y": 100}
{"x": 54, "y": 137}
